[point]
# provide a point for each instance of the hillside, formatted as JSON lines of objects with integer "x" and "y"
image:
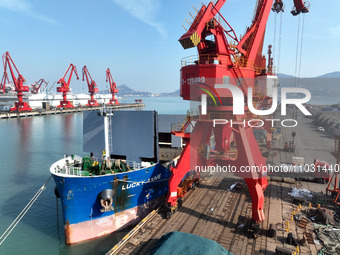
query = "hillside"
{"x": 171, "y": 94}
{"x": 323, "y": 86}
{"x": 125, "y": 91}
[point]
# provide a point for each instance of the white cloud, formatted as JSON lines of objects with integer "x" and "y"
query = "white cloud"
{"x": 145, "y": 11}
{"x": 26, "y": 8}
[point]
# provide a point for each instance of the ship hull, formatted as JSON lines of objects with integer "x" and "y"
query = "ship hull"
{"x": 134, "y": 194}
{"x": 95, "y": 228}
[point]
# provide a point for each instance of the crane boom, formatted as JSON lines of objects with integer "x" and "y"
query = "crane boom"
{"x": 113, "y": 88}
{"x": 65, "y": 86}
{"x": 92, "y": 87}
{"x": 18, "y": 81}
{"x": 37, "y": 85}
{"x": 251, "y": 44}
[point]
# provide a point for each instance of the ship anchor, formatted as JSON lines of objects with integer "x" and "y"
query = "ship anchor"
{"x": 106, "y": 204}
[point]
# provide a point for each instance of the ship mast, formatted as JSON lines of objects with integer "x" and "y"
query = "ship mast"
{"x": 107, "y": 113}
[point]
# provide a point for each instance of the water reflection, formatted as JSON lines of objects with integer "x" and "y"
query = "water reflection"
{"x": 23, "y": 128}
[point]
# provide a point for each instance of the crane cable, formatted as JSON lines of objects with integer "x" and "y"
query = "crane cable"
{"x": 296, "y": 67}
{"x": 279, "y": 47}
{"x": 278, "y": 36}
{"x": 274, "y": 39}
{"x": 297, "y": 52}
{"x": 16, "y": 221}
{"x": 298, "y": 60}
{"x": 302, "y": 32}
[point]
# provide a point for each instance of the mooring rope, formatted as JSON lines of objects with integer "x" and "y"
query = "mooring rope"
{"x": 23, "y": 212}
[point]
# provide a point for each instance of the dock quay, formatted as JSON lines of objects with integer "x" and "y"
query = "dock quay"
{"x": 217, "y": 211}
{"x": 42, "y": 112}
{"x": 214, "y": 212}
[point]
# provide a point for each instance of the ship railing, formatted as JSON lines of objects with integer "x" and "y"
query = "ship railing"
{"x": 133, "y": 164}
{"x": 70, "y": 171}
{"x": 205, "y": 59}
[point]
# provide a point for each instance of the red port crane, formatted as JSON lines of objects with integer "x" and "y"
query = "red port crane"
{"x": 91, "y": 85}
{"x": 65, "y": 87}
{"x": 113, "y": 88}
{"x": 223, "y": 67}
{"x": 37, "y": 85}
{"x": 18, "y": 81}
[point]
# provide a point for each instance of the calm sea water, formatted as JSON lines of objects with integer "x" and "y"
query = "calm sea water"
{"x": 28, "y": 147}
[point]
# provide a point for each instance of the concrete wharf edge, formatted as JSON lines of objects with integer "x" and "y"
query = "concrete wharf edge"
{"x": 9, "y": 115}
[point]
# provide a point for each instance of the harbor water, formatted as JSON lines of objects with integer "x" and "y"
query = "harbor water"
{"x": 28, "y": 147}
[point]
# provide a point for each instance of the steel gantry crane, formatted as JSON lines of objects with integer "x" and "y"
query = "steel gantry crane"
{"x": 113, "y": 88}
{"x": 91, "y": 85}
{"x": 18, "y": 81}
{"x": 65, "y": 87}
{"x": 37, "y": 85}
{"x": 221, "y": 69}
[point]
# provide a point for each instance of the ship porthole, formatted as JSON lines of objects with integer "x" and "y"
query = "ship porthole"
{"x": 62, "y": 180}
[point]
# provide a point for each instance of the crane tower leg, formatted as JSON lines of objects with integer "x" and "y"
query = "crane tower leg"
{"x": 248, "y": 156}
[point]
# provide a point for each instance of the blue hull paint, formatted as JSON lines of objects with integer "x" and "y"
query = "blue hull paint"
{"x": 79, "y": 194}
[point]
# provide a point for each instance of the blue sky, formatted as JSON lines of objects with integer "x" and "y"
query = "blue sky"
{"x": 138, "y": 40}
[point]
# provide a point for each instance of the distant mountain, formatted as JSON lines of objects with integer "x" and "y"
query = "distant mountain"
{"x": 330, "y": 75}
{"x": 171, "y": 94}
{"x": 327, "y": 75}
{"x": 324, "y": 86}
{"x": 125, "y": 91}
{"x": 284, "y": 76}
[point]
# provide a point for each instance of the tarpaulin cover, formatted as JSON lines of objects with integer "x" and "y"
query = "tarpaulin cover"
{"x": 178, "y": 243}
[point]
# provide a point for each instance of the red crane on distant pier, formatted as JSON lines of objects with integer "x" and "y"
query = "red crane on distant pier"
{"x": 65, "y": 87}
{"x": 91, "y": 85}
{"x": 18, "y": 81}
{"x": 37, "y": 85}
{"x": 113, "y": 88}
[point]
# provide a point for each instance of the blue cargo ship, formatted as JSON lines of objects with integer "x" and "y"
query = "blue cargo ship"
{"x": 100, "y": 197}
{"x": 102, "y": 194}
